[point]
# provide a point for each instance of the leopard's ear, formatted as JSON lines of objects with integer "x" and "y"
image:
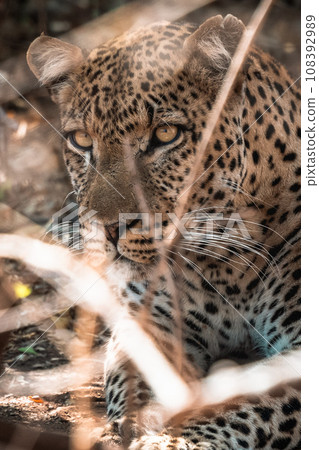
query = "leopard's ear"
{"x": 51, "y": 59}
{"x": 215, "y": 41}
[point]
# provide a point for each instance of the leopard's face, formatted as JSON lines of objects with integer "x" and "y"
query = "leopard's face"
{"x": 134, "y": 113}
{"x": 140, "y": 101}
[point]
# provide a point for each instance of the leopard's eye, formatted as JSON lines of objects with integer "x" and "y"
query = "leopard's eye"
{"x": 167, "y": 134}
{"x": 81, "y": 139}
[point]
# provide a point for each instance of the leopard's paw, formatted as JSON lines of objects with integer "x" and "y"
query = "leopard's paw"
{"x": 148, "y": 421}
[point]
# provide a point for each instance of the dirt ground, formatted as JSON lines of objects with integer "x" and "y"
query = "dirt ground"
{"x": 34, "y": 183}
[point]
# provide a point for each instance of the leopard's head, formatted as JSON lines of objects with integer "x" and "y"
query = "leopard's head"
{"x": 133, "y": 115}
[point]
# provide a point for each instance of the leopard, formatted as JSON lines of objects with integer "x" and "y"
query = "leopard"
{"x": 133, "y": 114}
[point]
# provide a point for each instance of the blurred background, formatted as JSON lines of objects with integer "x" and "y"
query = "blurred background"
{"x": 33, "y": 180}
{"x": 32, "y": 176}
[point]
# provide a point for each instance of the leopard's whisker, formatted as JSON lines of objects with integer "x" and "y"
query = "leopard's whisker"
{"x": 247, "y": 262}
{"x": 208, "y": 218}
{"x": 216, "y": 256}
{"x": 210, "y": 240}
{"x": 67, "y": 196}
{"x": 235, "y": 240}
{"x": 267, "y": 228}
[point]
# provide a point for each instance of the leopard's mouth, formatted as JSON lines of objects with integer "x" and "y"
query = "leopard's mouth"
{"x": 107, "y": 246}
{"x": 131, "y": 247}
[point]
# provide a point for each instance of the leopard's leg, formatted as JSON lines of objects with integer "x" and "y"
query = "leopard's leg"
{"x": 124, "y": 388}
{"x": 131, "y": 405}
{"x": 126, "y": 391}
{"x": 269, "y": 421}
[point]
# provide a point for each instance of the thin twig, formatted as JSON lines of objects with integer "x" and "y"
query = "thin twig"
{"x": 162, "y": 263}
{"x": 81, "y": 437}
{"x": 221, "y": 99}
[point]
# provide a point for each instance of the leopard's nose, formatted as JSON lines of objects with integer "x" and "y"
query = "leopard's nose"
{"x": 112, "y": 233}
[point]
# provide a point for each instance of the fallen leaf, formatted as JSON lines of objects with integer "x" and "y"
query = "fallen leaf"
{"x": 36, "y": 398}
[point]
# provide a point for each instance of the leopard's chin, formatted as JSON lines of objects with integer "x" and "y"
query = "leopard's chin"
{"x": 125, "y": 267}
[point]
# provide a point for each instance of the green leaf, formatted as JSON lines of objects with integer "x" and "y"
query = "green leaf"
{"x": 29, "y": 350}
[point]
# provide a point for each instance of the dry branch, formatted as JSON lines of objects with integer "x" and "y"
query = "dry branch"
{"x": 227, "y": 86}
{"x": 171, "y": 391}
{"x": 162, "y": 267}
{"x": 96, "y": 32}
{"x": 82, "y": 284}
{"x": 254, "y": 378}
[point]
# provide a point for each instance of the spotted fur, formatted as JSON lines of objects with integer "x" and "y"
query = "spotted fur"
{"x": 238, "y": 296}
